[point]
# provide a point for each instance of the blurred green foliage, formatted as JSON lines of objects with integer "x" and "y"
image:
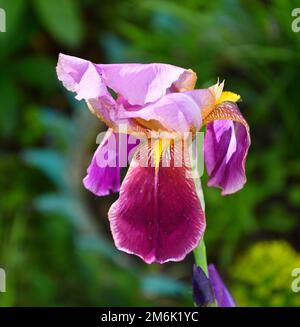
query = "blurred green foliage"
{"x": 54, "y": 238}
{"x": 262, "y": 276}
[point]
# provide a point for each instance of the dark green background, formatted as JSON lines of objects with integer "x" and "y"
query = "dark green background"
{"x": 55, "y": 243}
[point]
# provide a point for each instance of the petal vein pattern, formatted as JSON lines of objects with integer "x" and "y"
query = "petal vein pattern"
{"x": 158, "y": 215}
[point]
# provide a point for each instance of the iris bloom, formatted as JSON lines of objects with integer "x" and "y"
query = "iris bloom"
{"x": 209, "y": 291}
{"x": 158, "y": 215}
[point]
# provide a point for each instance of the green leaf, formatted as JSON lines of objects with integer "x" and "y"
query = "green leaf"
{"x": 62, "y": 19}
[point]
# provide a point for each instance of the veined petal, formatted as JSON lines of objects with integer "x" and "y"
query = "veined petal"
{"x": 222, "y": 295}
{"x": 219, "y": 96}
{"x": 103, "y": 174}
{"x": 226, "y": 145}
{"x": 158, "y": 215}
{"x": 226, "y": 111}
{"x": 175, "y": 111}
{"x": 140, "y": 84}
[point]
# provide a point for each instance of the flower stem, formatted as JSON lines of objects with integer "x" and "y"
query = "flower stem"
{"x": 201, "y": 257}
{"x": 200, "y": 250}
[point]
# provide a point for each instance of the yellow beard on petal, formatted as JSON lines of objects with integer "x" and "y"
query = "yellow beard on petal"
{"x": 157, "y": 152}
{"x": 228, "y": 96}
{"x": 160, "y": 148}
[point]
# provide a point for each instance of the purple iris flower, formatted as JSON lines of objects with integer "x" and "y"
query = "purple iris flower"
{"x": 158, "y": 215}
{"x": 210, "y": 290}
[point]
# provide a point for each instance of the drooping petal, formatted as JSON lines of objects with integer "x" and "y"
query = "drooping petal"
{"x": 144, "y": 83}
{"x": 226, "y": 145}
{"x": 202, "y": 290}
{"x": 175, "y": 111}
{"x": 103, "y": 174}
{"x": 222, "y": 295}
{"x": 158, "y": 216}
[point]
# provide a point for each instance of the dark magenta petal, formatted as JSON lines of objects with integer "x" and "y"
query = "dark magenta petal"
{"x": 103, "y": 174}
{"x": 226, "y": 145}
{"x": 202, "y": 290}
{"x": 222, "y": 295}
{"x": 158, "y": 216}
